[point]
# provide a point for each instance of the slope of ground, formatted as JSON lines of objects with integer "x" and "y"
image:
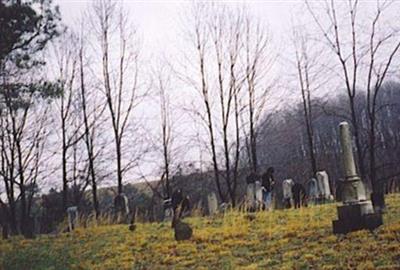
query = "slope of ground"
{"x": 282, "y": 239}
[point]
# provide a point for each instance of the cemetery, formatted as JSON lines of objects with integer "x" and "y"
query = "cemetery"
{"x": 199, "y": 134}
{"x": 282, "y": 239}
{"x": 250, "y": 237}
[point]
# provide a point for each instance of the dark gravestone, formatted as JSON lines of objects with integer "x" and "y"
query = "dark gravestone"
{"x": 354, "y": 217}
{"x": 182, "y": 231}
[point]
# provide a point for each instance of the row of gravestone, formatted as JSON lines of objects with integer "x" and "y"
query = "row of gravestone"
{"x": 318, "y": 189}
{"x": 212, "y": 207}
{"x": 121, "y": 212}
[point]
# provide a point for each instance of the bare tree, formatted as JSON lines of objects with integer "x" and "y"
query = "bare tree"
{"x": 120, "y": 85}
{"x": 162, "y": 84}
{"x": 67, "y": 61}
{"x": 309, "y": 75}
{"x": 92, "y": 114}
{"x": 365, "y": 47}
{"x": 259, "y": 60}
{"x": 232, "y": 56}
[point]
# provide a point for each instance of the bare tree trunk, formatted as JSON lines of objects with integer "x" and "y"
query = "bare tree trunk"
{"x": 88, "y": 138}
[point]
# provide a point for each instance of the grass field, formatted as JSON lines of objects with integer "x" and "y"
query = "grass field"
{"x": 282, "y": 239}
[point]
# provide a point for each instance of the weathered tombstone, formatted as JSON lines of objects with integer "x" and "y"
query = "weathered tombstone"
{"x": 168, "y": 210}
{"x": 212, "y": 203}
{"x": 287, "y": 185}
{"x": 258, "y": 194}
{"x": 132, "y": 225}
{"x": 223, "y": 207}
{"x": 121, "y": 207}
{"x": 250, "y": 196}
{"x": 251, "y": 191}
{"x": 72, "y": 213}
{"x": 312, "y": 189}
{"x": 357, "y": 212}
{"x": 324, "y": 189}
{"x": 185, "y": 207}
{"x": 182, "y": 231}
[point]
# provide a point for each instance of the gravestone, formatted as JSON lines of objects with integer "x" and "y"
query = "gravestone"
{"x": 121, "y": 208}
{"x": 212, "y": 203}
{"x": 72, "y": 213}
{"x": 250, "y": 196}
{"x": 132, "y": 225}
{"x": 357, "y": 212}
{"x": 258, "y": 194}
{"x": 168, "y": 210}
{"x": 324, "y": 190}
{"x": 182, "y": 231}
{"x": 223, "y": 207}
{"x": 287, "y": 185}
{"x": 312, "y": 189}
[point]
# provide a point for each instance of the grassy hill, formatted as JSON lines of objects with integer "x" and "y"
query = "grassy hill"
{"x": 282, "y": 239}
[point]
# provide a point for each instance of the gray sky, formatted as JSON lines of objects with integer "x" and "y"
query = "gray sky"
{"x": 159, "y": 22}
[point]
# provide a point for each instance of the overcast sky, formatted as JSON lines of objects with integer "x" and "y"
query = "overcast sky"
{"x": 160, "y": 22}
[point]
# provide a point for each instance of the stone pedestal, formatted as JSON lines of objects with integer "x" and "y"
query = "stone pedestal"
{"x": 357, "y": 212}
{"x": 356, "y": 217}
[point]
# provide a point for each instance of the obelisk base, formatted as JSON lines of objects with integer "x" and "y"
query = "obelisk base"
{"x": 357, "y": 216}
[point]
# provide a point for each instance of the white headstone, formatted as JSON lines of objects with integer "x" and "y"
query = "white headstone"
{"x": 287, "y": 188}
{"x": 121, "y": 204}
{"x": 250, "y": 195}
{"x": 312, "y": 189}
{"x": 323, "y": 185}
{"x": 72, "y": 217}
{"x": 168, "y": 211}
{"x": 258, "y": 193}
{"x": 168, "y": 214}
{"x": 212, "y": 202}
